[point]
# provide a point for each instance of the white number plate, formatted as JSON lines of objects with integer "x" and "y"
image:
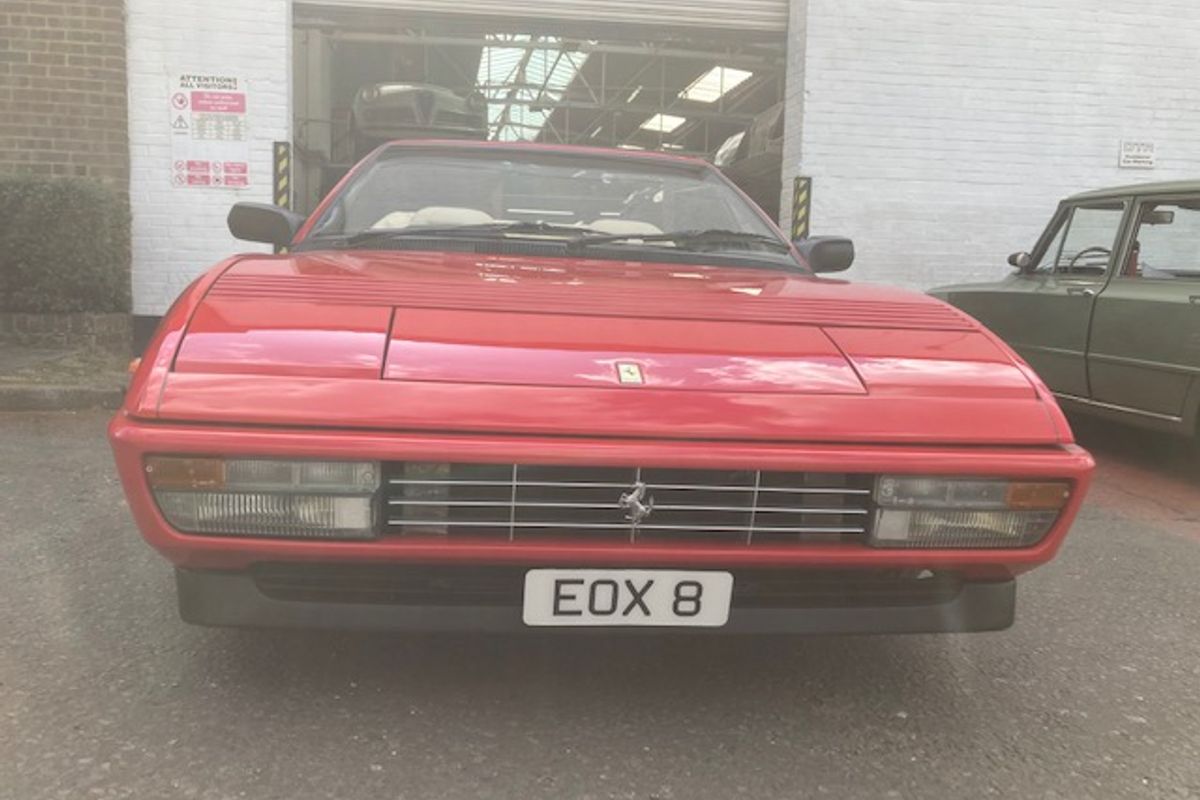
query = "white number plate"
{"x": 666, "y": 598}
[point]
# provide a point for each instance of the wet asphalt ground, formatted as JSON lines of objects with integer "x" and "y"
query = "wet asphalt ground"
{"x": 105, "y": 693}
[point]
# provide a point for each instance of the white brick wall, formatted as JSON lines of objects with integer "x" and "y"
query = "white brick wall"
{"x": 940, "y": 133}
{"x": 180, "y": 232}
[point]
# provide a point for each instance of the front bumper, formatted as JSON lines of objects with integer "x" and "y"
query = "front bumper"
{"x": 244, "y": 599}
{"x": 133, "y": 440}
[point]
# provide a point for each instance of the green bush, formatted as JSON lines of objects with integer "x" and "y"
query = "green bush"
{"x": 64, "y": 246}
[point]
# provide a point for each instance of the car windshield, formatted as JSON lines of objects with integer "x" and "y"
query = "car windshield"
{"x": 655, "y": 207}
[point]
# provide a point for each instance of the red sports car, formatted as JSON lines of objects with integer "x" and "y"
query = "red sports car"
{"x": 496, "y": 387}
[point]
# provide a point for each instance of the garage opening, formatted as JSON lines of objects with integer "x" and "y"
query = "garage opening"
{"x": 613, "y": 74}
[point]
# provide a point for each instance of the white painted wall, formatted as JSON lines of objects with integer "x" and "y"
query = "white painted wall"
{"x": 940, "y": 133}
{"x": 180, "y": 232}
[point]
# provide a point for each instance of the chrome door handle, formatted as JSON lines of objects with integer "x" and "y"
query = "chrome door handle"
{"x": 1081, "y": 291}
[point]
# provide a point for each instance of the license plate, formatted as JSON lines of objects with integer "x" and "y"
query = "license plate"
{"x": 592, "y": 597}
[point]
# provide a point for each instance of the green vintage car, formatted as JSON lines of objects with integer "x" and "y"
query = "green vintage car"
{"x": 1106, "y": 307}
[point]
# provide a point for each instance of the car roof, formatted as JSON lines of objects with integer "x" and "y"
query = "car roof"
{"x": 541, "y": 147}
{"x": 1138, "y": 189}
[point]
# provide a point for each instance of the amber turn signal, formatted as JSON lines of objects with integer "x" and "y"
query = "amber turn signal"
{"x": 1037, "y": 495}
{"x": 169, "y": 472}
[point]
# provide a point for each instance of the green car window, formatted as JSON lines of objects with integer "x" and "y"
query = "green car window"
{"x": 1049, "y": 259}
{"x": 1085, "y": 243}
{"x": 1166, "y": 245}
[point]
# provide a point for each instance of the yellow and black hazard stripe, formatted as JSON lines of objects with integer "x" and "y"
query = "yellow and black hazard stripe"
{"x": 282, "y": 184}
{"x": 801, "y": 206}
{"x": 283, "y": 174}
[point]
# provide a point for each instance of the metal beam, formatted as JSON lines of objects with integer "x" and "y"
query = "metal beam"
{"x": 729, "y": 56}
{"x": 518, "y": 77}
{"x": 648, "y": 110}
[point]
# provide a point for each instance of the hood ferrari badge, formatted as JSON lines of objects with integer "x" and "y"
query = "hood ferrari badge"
{"x": 629, "y": 373}
{"x": 638, "y": 505}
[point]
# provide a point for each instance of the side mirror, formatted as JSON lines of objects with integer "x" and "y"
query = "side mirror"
{"x": 1020, "y": 260}
{"x": 826, "y": 253}
{"x": 261, "y": 222}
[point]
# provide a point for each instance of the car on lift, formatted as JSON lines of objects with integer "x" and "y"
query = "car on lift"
{"x": 509, "y": 387}
{"x": 1106, "y": 306}
{"x": 382, "y": 112}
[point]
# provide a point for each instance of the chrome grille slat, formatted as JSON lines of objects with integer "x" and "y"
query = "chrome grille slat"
{"x": 512, "y": 508}
{"x": 747, "y": 507}
{"x": 612, "y": 526}
{"x": 660, "y": 507}
{"x": 624, "y": 486}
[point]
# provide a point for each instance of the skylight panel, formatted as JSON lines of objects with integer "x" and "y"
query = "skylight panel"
{"x": 710, "y": 86}
{"x": 663, "y": 123}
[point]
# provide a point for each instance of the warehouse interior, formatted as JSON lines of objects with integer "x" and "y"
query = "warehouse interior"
{"x": 700, "y": 91}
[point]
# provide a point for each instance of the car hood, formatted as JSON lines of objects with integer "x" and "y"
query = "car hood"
{"x": 463, "y": 341}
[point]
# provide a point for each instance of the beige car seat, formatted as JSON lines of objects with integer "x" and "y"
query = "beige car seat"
{"x": 627, "y": 227}
{"x": 394, "y": 220}
{"x": 623, "y": 226}
{"x": 449, "y": 216}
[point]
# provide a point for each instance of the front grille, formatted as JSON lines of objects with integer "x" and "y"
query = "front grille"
{"x": 519, "y": 501}
{"x": 441, "y": 585}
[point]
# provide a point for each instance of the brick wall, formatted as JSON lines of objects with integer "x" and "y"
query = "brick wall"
{"x": 940, "y": 133}
{"x": 178, "y": 232}
{"x": 62, "y": 89}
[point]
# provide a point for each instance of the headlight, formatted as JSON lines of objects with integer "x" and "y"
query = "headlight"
{"x": 918, "y": 511}
{"x": 266, "y": 497}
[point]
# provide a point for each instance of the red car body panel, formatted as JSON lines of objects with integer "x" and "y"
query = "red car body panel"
{"x": 446, "y": 356}
{"x": 479, "y": 343}
{"x": 133, "y": 440}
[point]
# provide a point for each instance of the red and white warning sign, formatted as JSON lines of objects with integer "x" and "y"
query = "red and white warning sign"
{"x": 210, "y": 145}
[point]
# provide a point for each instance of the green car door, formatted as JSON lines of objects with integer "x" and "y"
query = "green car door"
{"x": 1044, "y": 309}
{"x": 1144, "y": 352}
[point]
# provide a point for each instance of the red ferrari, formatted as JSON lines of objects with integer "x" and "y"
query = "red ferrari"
{"x": 505, "y": 387}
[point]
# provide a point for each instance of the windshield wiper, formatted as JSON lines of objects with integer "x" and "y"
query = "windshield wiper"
{"x": 685, "y": 237}
{"x": 482, "y": 229}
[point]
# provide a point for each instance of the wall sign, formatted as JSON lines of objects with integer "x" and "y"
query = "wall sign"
{"x": 210, "y": 144}
{"x": 1136, "y": 154}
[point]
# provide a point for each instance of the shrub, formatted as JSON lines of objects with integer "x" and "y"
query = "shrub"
{"x": 64, "y": 246}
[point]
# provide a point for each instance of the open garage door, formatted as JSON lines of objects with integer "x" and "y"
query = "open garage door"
{"x": 368, "y": 72}
{"x": 739, "y": 15}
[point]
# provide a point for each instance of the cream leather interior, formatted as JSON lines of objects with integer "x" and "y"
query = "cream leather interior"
{"x": 628, "y": 227}
{"x": 440, "y": 216}
{"x": 623, "y": 226}
{"x": 396, "y": 219}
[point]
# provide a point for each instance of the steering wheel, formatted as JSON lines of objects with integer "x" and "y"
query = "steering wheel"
{"x": 1085, "y": 251}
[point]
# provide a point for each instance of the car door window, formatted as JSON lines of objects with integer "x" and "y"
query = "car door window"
{"x": 1049, "y": 259}
{"x": 1084, "y": 245}
{"x": 1166, "y": 244}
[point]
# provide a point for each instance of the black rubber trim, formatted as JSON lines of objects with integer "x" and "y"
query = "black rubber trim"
{"x": 232, "y": 599}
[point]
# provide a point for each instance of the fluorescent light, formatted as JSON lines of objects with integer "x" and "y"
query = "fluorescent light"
{"x": 672, "y": 146}
{"x": 630, "y": 147}
{"x": 709, "y": 87}
{"x": 663, "y": 123}
{"x": 634, "y": 94}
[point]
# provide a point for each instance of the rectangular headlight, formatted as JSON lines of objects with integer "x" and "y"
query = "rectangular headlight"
{"x": 266, "y": 497}
{"x": 917, "y": 511}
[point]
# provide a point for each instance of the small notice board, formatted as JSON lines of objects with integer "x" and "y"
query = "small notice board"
{"x": 210, "y": 144}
